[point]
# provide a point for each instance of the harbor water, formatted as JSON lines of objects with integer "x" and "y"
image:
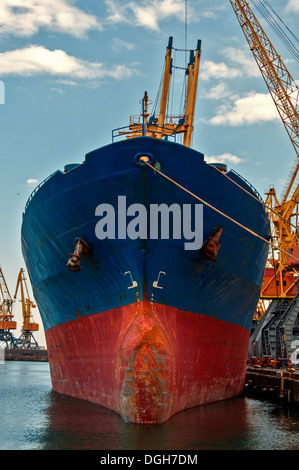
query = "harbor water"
{"x": 34, "y": 417}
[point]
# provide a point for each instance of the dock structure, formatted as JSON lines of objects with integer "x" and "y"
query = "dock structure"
{"x": 36, "y": 355}
{"x": 273, "y": 384}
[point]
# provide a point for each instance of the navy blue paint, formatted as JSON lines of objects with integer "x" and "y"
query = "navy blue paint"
{"x": 64, "y": 208}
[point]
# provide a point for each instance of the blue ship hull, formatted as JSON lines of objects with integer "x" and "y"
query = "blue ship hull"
{"x": 119, "y": 273}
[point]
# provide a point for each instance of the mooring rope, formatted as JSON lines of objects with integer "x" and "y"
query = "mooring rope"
{"x": 144, "y": 160}
{"x": 254, "y": 197}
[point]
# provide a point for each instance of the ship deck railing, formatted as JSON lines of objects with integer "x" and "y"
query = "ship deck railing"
{"x": 257, "y": 194}
{"x": 38, "y": 187}
{"x": 166, "y": 132}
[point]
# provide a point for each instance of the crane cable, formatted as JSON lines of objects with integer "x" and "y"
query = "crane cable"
{"x": 186, "y": 28}
{"x": 263, "y": 7}
{"x": 271, "y": 8}
{"x": 145, "y": 160}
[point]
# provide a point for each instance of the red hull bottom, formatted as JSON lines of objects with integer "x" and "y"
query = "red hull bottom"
{"x": 148, "y": 362}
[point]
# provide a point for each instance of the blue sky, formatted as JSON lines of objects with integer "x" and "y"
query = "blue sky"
{"x": 75, "y": 70}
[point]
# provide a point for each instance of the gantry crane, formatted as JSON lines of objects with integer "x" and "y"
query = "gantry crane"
{"x": 281, "y": 274}
{"x": 6, "y": 316}
{"x": 282, "y": 271}
{"x": 26, "y": 340}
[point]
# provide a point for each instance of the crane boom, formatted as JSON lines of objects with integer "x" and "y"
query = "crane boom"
{"x": 26, "y": 302}
{"x": 6, "y": 303}
{"x": 281, "y": 274}
{"x": 281, "y": 85}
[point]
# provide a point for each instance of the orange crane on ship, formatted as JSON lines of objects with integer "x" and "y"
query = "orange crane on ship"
{"x": 282, "y": 271}
{"x": 281, "y": 276}
{"x": 26, "y": 340}
{"x": 6, "y": 316}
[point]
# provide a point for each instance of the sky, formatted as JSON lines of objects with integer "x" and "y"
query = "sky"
{"x": 71, "y": 71}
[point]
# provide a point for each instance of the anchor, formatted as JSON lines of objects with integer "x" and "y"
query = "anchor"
{"x": 82, "y": 248}
{"x": 211, "y": 246}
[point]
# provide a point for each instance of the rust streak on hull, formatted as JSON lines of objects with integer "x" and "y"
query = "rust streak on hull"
{"x": 146, "y": 369}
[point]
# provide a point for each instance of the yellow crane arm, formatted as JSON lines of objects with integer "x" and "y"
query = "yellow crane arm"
{"x": 281, "y": 85}
{"x": 165, "y": 88}
{"x": 193, "y": 70}
{"x": 6, "y": 303}
{"x": 20, "y": 284}
{"x": 4, "y": 291}
{"x": 26, "y": 303}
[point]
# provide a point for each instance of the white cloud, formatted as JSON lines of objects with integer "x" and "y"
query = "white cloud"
{"x": 210, "y": 69}
{"x": 67, "y": 82}
{"x": 32, "y": 182}
{"x": 242, "y": 65}
{"x": 251, "y": 109}
{"x": 57, "y": 90}
{"x": 149, "y": 14}
{"x": 219, "y": 91}
{"x": 236, "y": 110}
{"x": 35, "y": 60}
{"x": 224, "y": 158}
{"x": 27, "y": 17}
{"x": 119, "y": 44}
{"x": 293, "y": 6}
{"x": 144, "y": 13}
{"x": 244, "y": 60}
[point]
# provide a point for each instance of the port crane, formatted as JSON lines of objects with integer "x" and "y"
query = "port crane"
{"x": 26, "y": 339}
{"x": 6, "y": 316}
{"x": 283, "y": 214}
{"x": 281, "y": 275}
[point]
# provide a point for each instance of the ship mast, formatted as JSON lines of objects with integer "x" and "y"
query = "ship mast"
{"x": 166, "y": 82}
{"x": 193, "y": 70}
{"x": 165, "y": 126}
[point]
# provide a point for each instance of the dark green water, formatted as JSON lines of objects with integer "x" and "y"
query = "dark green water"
{"x": 33, "y": 417}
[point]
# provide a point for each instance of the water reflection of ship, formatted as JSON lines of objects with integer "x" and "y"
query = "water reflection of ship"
{"x": 74, "y": 424}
